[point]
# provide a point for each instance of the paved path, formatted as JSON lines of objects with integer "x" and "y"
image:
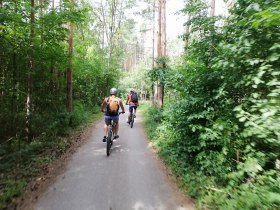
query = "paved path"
{"x": 131, "y": 178}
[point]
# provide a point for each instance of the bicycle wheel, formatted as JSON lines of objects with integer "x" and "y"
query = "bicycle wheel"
{"x": 109, "y": 139}
{"x": 132, "y": 121}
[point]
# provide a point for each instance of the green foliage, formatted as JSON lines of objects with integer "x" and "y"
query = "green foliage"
{"x": 51, "y": 124}
{"x": 159, "y": 73}
{"x": 152, "y": 118}
{"x": 21, "y": 160}
{"x": 137, "y": 79}
{"x": 12, "y": 188}
{"x": 219, "y": 131}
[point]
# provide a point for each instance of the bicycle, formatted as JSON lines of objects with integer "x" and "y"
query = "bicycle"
{"x": 110, "y": 136}
{"x": 132, "y": 117}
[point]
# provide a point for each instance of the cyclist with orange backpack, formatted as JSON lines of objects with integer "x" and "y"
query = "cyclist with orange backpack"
{"x": 132, "y": 98}
{"x": 110, "y": 107}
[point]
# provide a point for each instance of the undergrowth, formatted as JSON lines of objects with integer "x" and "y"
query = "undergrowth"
{"x": 207, "y": 175}
{"x": 22, "y": 161}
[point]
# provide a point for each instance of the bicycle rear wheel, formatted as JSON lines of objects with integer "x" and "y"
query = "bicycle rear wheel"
{"x": 109, "y": 139}
{"x": 132, "y": 121}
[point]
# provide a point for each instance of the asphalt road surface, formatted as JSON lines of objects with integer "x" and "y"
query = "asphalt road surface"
{"x": 131, "y": 178}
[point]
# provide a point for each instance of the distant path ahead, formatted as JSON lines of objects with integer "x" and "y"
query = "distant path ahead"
{"x": 130, "y": 178}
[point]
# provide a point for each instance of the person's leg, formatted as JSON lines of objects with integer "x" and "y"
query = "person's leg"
{"x": 130, "y": 113}
{"x": 107, "y": 121}
{"x": 116, "y": 127}
{"x": 135, "y": 109}
{"x": 105, "y": 129}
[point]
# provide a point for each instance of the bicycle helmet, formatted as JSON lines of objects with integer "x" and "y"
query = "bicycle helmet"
{"x": 113, "y": 91}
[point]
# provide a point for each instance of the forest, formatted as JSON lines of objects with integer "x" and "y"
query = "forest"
{"x": 211, "y": 111}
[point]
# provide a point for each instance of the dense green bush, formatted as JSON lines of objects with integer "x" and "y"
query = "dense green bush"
{"x": 220, "y": 131}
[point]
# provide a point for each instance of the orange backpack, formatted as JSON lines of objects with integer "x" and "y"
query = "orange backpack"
{"x": 113, "y": 105}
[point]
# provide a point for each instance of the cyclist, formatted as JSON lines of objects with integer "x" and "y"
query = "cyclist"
{"x": 110, "y": 107}
{"x": 132, "y": 98}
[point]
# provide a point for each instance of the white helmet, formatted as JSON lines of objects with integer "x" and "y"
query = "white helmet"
{"x": 113, "y": 91}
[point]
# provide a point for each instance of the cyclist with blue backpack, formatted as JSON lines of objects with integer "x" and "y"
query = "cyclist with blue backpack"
{"x": 132, "y": 98}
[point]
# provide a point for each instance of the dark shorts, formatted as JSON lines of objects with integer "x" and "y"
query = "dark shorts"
{"x": 131, "y": 107}
{"x": 108, "y": 119}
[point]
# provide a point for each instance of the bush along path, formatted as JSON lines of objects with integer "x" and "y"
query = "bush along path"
{"x": 27, "y": 168}
{"x": 219, "y": 127}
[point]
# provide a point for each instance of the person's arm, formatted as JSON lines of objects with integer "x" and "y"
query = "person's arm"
{"x": 127, "y": 98}
{"x": 121, "y": 105}
{"x": 103, "y": 105}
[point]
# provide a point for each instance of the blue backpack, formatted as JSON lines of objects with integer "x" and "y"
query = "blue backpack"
{"x": 134, "y": 97}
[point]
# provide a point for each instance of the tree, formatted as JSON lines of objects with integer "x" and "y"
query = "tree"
{"x": 161, "y": 49}
{"x": 188, "y": 26}
{"x": 212, "y": 8}
{"x": 29, "y": 102}
{"x": 111, "y": 16}
{"x": 69, "y": 100}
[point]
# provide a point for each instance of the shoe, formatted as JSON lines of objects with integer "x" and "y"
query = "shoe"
{"x": 134, "y": 116}
{"x": 104, "y": 139}
{"x": 116, "y": 136}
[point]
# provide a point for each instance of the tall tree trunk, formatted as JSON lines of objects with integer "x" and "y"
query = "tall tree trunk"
{"x": 163, "y": 53}
{"x": 163, "y": 23}
{"x": 13, "y": 104}
{"x": 159, "y": 44}
{"x": 163, "y": 48}
{"x": 212, "y": 8}
{"x": 14, "y": 79}
{"x": 153, "y": 55}
{"x": 188, "y": 28}
{"x": 29, "y": 101}
{"x": 154, "y": 25}
{"x": 212, "y": 14}
{"x": 159, "y": 48}
{"x": 69, "y": 98}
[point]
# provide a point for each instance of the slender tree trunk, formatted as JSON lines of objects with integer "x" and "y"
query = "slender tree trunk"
{"x": 159, "y": 44}
{"x": 14, "y": 80}
{"x": 69, "y": 98}
{"x": 154, "y": 25}
{"x": 29, "y": 101}
{"x": 188, "y": 28}
{"x": 163, "y": 33}
{"x": 163, "y": 48}
{"x": 159, "y": 48}
{"x": 111, "y": 30}
{"x": 212, "y": 14}
{"x": 212, "y": 8}
{"x": 13, "y": 113}
{"x": 187, "y": 32}
{"x": 153, "y": 55}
